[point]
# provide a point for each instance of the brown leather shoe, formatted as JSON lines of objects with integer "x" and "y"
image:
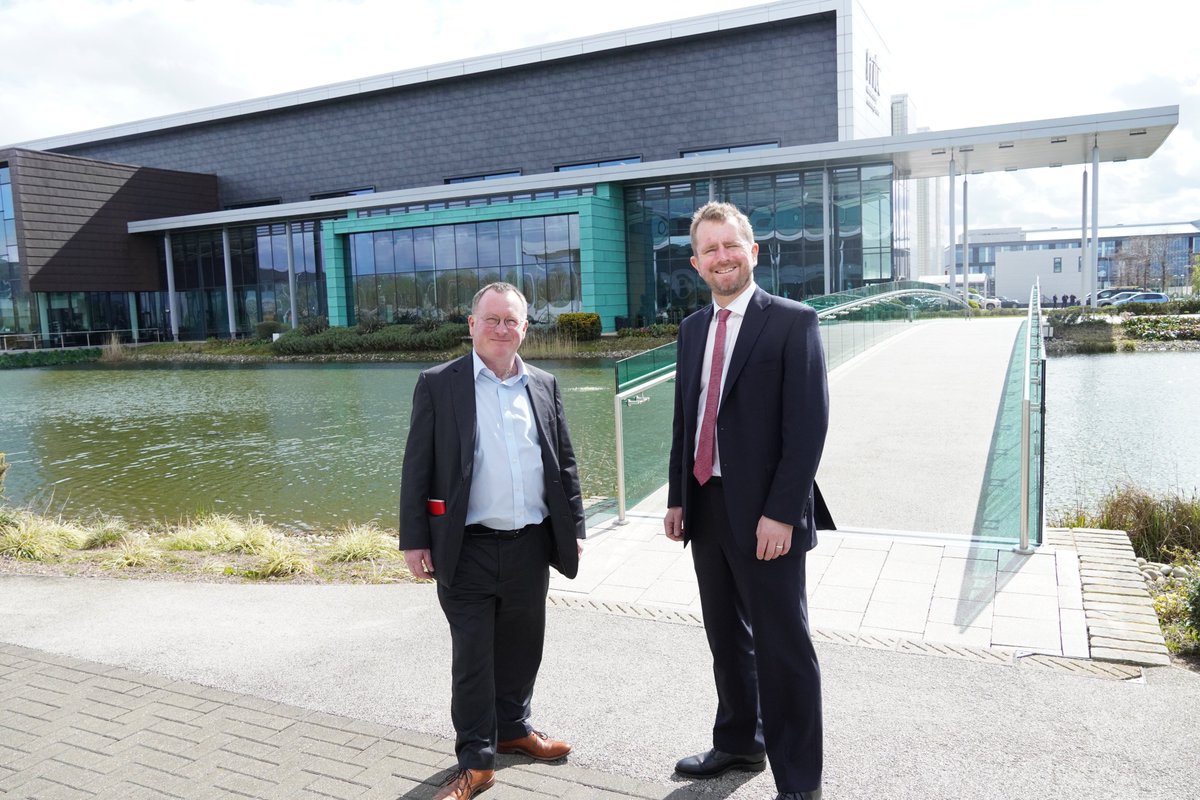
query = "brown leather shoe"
{"x": 536, "y": 745}
{"x": 465, "y": 784}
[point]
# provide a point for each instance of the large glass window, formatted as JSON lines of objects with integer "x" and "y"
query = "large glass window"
{"x": 451, "y": 262}
{"x": 258, "y": 264}
{"x": 786, "y": 211}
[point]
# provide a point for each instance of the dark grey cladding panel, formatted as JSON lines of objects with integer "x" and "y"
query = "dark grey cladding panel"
{"x": 770, "y": 82}
{"x": 73, "y": 215}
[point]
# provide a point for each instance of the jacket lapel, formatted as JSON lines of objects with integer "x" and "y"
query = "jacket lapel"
{"x": 463, "y": 382}
{"x": 543, "y": 408}
{"x": 693, "y": 359}
{"x": 752, "y": 325}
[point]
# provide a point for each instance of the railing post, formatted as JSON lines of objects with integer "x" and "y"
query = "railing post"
{"x": 617, "y": 417}
{"x": 1033, "y": 322}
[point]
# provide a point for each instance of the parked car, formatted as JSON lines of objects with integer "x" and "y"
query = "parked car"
{"x": 1107, "y": 294}
{"x": 1008, "y": 302}
{"x": 984, "y": 302}
{"x": 1143, "y": 297}
{"x": 1116, "y": 298}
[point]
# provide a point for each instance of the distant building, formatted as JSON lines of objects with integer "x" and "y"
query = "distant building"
{"x": 1155, "y": 255}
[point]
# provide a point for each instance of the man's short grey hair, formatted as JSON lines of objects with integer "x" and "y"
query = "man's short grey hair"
{"x": 502, "y": 288}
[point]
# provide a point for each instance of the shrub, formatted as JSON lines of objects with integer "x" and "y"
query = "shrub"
{"x": 49, "y": 358}
{"x": 4, "y": 465}
{"x": 387, "y": 339}
{"x": 1163, "y": 329}
{"x": 659, "y": 330}
{"x": 32, "y": 538}
{"x": 1193, "y": 605}
{"x": 264, "y": 330}
{"x": 281, "y": 559}
{"x": 105, "y": 531}
{"x": 1157, "y": 525}
{"x": 311, "y": 326}
{"x": 583, "y": 326}
{"x": 133, "y": 551}
{"x": 362, "y": 543}
{"x": 369, "y": 322}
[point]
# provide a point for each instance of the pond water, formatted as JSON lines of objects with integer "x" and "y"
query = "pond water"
{"x": 303, "y": 446}
{"x": 1121, "y": 418}
{"x": 312, "y": 446}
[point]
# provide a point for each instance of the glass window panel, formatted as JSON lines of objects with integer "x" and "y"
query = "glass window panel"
{"x": 427, "y": 293}
{"x": 510, "y": 242}
{"x": 385, "y": 255}
{"x": 423, "y": 248}
{"x": 464, "y": 245}
{"x": 761, "y": 207}
{"x": 468, "y": 285}
{"x": 362, "y": 254}
{"x": 447, "y": 294}
{"x": 558, "y": 237}
{"x": 406, "y": 294}
{"x": 402, "y": 244}
{"x": 443, "y": 247}
{"x": 533, "y": 285}
{"x": 488, "y": 240}
{"x": 533, "y": 240}
{"x": 279, "y": 248}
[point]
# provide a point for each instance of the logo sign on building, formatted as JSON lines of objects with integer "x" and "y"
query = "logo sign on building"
{"x": 871, "y": 81}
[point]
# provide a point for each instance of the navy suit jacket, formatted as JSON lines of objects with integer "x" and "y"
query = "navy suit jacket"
{"x": 440, "y": 454}
{"x": 772, "y": 421}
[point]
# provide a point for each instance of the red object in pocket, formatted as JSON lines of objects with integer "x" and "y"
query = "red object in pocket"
{"x": 436, "y": 508}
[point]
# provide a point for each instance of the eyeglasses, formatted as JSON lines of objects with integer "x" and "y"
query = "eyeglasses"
{"x": 495, "y": 322}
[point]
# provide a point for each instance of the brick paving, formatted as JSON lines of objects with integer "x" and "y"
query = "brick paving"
{"x": 71, "y": 728}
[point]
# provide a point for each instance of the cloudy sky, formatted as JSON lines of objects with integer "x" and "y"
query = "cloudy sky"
{"x": 73, "y": 65}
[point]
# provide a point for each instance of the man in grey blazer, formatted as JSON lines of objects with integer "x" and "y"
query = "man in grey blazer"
{"x": 751, "y": 412}
{"x": 489, "y": 499}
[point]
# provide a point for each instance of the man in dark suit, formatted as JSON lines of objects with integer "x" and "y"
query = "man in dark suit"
{"x": 751, "y": 411}
{"x": 489, "y": 499}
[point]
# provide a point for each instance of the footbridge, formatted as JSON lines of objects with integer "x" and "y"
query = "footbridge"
{"x": 936, "y": 416}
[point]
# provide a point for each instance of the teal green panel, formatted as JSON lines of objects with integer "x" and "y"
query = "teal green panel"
{"x": 333, "y": 249}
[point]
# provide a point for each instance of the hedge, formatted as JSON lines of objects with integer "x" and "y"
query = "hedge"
{"x": 389, "y": 339}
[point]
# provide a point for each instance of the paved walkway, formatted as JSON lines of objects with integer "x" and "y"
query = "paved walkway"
{"x": 904, "y": 471}
{"x": 951, "y": 669}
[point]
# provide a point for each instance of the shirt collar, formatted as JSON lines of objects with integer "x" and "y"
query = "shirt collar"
{"x": 479, "y": 368}
{"x": 740, "y": 303}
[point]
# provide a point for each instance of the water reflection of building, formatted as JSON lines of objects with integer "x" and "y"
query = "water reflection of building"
{"x": 400, "y": 195}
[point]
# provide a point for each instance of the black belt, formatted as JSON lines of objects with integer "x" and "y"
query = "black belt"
{"x": 502, "y": 535}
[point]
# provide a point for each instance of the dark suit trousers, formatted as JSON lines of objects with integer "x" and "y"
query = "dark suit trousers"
{"x": 756, "y": 619}
{"x": 497, "y": 614}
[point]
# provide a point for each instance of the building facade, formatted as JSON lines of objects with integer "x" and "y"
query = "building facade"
{"x": 399, "y": 196}
{"x": 571, "y": 170}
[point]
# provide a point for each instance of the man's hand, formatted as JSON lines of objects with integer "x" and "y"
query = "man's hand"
{"x": 673, "y": 523}
{"x": 774, "y": 539}
{"x": 420, "y": 563}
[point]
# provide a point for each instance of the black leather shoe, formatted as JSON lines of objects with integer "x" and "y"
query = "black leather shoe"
{"x": 714, "y": 763}
{"x": 815, "y": 794}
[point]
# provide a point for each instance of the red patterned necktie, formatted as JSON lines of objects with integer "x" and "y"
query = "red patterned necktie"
{"x": 703, "y": 468}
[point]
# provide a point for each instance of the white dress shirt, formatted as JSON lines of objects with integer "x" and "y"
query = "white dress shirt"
{"x": 508, "y": 482}
{"x": 737, "y": 308}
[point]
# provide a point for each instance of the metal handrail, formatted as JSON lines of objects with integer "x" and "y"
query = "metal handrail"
{"x": 1033, "y": 339}
{"x": 59, "y": 339}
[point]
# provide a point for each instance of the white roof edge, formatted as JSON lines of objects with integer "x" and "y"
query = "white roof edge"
{"x": 615, "y": 40}
{"x": 802, "y": 155}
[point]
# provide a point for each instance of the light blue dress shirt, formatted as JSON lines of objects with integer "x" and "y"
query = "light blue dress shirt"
{"x": 508, "y": 481}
